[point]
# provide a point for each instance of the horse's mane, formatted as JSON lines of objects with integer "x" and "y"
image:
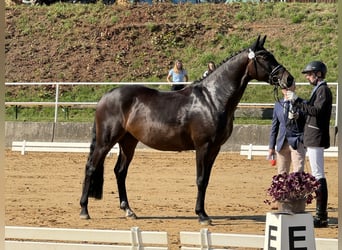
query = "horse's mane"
{"x": 221, "y": 63}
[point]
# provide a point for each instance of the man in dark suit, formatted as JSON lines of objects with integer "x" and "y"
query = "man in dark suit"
{"x": 316, "y": 131}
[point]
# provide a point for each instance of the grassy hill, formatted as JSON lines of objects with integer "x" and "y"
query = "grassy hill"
{"x": 99, "y": 43}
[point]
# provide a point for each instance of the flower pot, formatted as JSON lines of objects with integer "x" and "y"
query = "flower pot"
{"x": 292, "y": 206}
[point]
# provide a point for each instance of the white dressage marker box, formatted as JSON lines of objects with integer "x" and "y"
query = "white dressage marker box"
{"x": 289, "y": 232}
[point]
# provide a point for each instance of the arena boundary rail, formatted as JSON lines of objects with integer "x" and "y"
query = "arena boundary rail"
{"x": 66, "y": 147}
{"x": 42, "y": 238}
{"x": 209, "y": 240}
{"x": 262, "y": 150}
{"x": 83, "y": 147}
{"x": 38, "y": 238}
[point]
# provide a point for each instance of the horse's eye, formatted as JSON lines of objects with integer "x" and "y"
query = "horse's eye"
{"x": 275, "y": 79}
{"x": 267, "y": 56}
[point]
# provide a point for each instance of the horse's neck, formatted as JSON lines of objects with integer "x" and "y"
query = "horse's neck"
{"x": 231, "y": 83}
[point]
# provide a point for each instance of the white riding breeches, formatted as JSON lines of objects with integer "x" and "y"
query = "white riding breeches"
{"x": 316, "y": 159}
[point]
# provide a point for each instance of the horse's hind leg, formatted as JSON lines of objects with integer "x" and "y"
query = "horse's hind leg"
{"x": 127, "y": 148}
{"x": 93, "y": 180}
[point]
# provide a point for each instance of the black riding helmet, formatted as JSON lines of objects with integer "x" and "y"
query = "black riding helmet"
{"x": 316, "y": 66}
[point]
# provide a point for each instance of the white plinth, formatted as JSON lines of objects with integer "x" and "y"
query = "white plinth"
{"x": 289, "y": 232}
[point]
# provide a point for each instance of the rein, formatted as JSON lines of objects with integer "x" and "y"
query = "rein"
{"x": 276, "y": 80}
{"x": 276, "y": 94}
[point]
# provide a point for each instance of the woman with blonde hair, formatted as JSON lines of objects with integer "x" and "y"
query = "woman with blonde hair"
{"x": 177, "y": 74}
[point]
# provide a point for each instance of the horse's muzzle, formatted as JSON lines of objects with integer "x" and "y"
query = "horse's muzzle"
{"x": 286, "y": 81}
{"x": 289, "y": 81}
{"x": 281, "y": 77}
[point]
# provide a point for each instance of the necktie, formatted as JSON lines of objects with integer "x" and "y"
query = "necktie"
{"x": 286, "y": 107}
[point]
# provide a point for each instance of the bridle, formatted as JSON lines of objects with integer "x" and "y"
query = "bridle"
{"x": 272, "y": 78}
{"x": 276, "y": 81}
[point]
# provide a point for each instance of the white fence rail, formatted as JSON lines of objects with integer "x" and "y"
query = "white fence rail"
{"x": 68, "y": 147}
{"x": 215, "y": 241}
{"x": 262, "y": 150}
{"x": 36, "y": 238}
{"x": 208, "y": 240}
{"x": 42, "y": 238}
{"x": 57, "y": 103}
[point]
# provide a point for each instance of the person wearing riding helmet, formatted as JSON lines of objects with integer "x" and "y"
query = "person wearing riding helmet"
{"x": 316, "y": 131}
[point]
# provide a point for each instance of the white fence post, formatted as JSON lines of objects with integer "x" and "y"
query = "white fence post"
{"x": 204, "y": 239}
{"x": 56, "y": 102}
{"x": 23, "y": 148}
{"x": 135, "y": 234}
{"x": 250, "y": 152}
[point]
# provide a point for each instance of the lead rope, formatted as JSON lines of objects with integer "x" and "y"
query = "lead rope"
{"x": 276, "y": 94}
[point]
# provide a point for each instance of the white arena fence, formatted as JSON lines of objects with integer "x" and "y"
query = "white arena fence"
{"x": 62, "y": 147}
{"x": 204, "y": 239}
{"x": 57, "y": 103}
{"x": 83, "y": 147}
{"x": 262, "y": 150}
{"x": 39, "y": 238}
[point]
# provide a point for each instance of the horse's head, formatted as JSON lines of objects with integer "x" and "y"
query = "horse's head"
{"x": 263, "y": 66}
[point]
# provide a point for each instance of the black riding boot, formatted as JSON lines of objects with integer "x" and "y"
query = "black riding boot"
{"x": 321, "y": 218}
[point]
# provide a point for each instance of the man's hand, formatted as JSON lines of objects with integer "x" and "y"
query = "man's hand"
{"x": 293, "y": 115}
{"x": 291, "y": 96}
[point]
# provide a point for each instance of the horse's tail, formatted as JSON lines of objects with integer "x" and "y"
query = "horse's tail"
{"x": 93, "y": 140}
{"x": 95, "y": 172}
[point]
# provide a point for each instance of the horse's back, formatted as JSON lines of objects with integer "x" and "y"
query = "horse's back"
{"x": 159, "y": 119}
{"x": 128, "y": 95}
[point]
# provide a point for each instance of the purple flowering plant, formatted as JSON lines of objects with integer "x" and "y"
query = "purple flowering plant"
{"x": 293, "y": 186}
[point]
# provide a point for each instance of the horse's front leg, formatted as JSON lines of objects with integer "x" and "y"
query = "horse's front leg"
{"x": 204, "y": 163}
{"x": 120, "y": 171}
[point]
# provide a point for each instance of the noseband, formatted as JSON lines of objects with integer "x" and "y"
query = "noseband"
{"x": 273, "y": 79}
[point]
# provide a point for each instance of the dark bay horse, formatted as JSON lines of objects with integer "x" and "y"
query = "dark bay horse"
{"x": 198, "y": 117}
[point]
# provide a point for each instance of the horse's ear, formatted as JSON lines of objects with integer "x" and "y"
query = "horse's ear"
{"x": 255, "y": 45}
{"x": 262, "y": 42}
{"x": 258, "y": 40}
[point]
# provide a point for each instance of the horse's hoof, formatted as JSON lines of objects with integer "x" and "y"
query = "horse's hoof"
{"x": 204, "y": 219}
{"x": 131, "y": 215}
{"x": 85, "y": 216}
{"x": 205, "y": 222}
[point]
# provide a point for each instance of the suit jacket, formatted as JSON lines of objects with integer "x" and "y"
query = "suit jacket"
{"x": 283, "y": 128}
{"x": 318, "y": 110}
